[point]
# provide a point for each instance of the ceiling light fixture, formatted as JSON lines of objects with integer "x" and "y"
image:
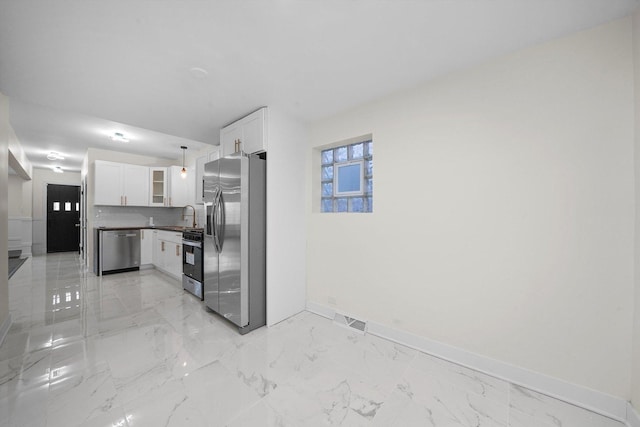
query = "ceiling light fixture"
{"x": 57, "y": 169}
{"x": 183, "y": 172}
{"x": 54, "y": 156}
{"x": 119, "y": 137}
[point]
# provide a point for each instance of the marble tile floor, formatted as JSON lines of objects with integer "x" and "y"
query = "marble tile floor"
{"x": 133, "y": 349}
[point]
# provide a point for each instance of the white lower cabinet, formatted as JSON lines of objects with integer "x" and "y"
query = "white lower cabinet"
{"x": 167, "y": 252}
{"x": 146, "y": 247}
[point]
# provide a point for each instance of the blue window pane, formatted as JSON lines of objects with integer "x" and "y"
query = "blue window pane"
{"x": 368, "y": 147}
{"x": 327, "y": 189}
{"x": 349, "y": 178}
{"x": 368, "y": 168}
{"x": 341, "y": 205}
{"x": 327, "y": 172}
{"x": 327, "y": 205}
{"x": 357, "y": 151}
{"x": 368, "y": 185}
{"x": 356, "y": 204}
{"x": 369, "y": 206}
{"x": 327, "y": 157}
{"x": 341, "y": 154}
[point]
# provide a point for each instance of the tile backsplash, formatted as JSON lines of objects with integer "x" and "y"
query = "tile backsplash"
{"x": 129, "y": 216}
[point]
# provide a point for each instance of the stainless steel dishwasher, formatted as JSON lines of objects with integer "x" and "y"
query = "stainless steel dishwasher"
{"x": 119, "y": 251}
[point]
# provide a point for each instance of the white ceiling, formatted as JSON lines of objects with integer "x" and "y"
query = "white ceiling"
{"x": 75, "y": 70}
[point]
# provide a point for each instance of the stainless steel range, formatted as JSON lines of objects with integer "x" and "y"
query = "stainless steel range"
{"x": 192, "y": 267}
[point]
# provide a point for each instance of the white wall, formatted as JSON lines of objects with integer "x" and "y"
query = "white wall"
{"x": 42, "y": 177}
{"x": 20, "y": 199}
{"x": 20, "y": 203}
{"x": 503, "y": 211}
{"x": 635, "y": 377}
{"x": 286, "y": 241}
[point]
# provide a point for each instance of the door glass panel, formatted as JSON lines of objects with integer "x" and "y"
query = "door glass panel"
{"x": 67, "y": 206}
{"x": 56, "y": 206}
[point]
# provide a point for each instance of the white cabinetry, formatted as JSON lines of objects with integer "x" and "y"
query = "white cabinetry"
{"x": 120, "y": 184}
{"x": 146, "y": 247}
{"x": 167, "y": 251}
{"x": 158, "y": 181}
{"x": 200, "y": 162}
{"x": 107, "y": 183}
{"x": 248, "y": 134}
{"x": 180, "y": 189}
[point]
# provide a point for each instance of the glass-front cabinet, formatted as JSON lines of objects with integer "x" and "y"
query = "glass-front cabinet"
{"x": 158, "y": 181}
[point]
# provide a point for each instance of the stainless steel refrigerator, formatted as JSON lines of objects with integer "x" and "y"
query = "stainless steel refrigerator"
{"x": 235, "y": 239}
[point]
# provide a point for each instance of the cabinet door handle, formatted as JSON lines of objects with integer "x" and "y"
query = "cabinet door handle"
{"x": 177, "y": 250}
{"x": 162, "y": 245}
{"x": 120, "y": 200}
{"x": 125, "y": 200}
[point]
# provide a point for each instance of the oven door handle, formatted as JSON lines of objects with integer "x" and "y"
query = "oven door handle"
{"x": 192, "y": 244}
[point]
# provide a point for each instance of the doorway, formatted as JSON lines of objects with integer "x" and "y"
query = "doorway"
{"x": 63, "y": 218}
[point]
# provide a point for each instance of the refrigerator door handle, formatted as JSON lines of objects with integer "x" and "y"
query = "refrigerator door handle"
{"x": 222, "y": 221}
{"x": 214, "y": 221}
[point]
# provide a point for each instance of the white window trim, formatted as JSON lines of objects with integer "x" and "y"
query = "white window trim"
{"x": 336, "y": 174}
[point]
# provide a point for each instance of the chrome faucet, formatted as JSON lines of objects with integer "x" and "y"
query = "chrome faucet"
{"x": 184, "y": 216}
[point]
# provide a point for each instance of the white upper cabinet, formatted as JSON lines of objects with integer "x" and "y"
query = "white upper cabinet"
{"x": 136, "y": 185}
{"x": 107, "y": 184}
{"x": 158, "y": 180}
{"x": 180, "y": 189}
{"x": 119, "y": 184}
{"x": 200, "y": 162}
{"x": 248, "y": 134}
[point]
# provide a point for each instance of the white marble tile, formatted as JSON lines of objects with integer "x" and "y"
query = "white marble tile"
{"x": 531, "y": 409}
{"x": 335, "y": 395}
{"x": 27, "y": 407}
{"x": 23, "y": 372}
{"x": 75, "y": 399}
{"x": 221, "y": 397}
{"x": 379, "y": 360}
{"x": 164, "y": 407}
{"x": 463, "y": 378}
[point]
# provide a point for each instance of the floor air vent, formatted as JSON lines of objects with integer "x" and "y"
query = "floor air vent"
{"x": 351, "y": 323}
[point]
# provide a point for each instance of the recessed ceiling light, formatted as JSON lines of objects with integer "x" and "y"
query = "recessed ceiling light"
{"x": 119, "y": 136}
{"x": 54, "y": 156}
{"x": 58, "y": 169}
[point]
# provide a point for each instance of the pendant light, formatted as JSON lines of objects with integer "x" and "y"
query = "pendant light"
{"x": 183, "y": 172}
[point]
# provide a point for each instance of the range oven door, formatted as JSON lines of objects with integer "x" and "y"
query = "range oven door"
{"x": 192, "y": 260}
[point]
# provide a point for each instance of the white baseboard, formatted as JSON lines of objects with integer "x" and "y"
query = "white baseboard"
{"x": 633, "y": 418}
{"x": 4, "y": 328}
{"x": 321, "y": 310}
{"x": 581, "y": 396}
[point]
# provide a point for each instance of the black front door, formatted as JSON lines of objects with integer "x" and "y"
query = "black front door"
{"x": 63, "y": 218}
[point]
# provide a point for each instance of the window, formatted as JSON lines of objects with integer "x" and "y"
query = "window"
{"x": 347, "y": 178}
